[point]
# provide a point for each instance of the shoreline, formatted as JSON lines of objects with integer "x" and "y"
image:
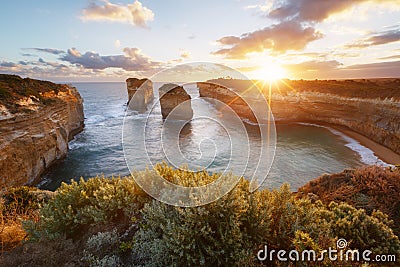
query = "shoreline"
{"x": 381, "y": 152}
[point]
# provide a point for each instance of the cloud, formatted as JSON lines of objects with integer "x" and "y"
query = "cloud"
{"x": 248, "y": 68}
{"x": 46, "y": 70}
{"x": 117, "y": 43}
{"x": 333, "y": 69}
{"x": 185, "y": 54}
{"x": 314, "y": 10}
{"x": 391, "y": 57}
{"x": 135, "y": 14}
{"x": 7, "y": 64}
{"x": 377, "y": 38}
{"x": 46, "y": 50}
{"x": 312, "y": 66}
{"x": 278, "y": 38}
{"x": 295, "y": 27}
{"x": 28, "y": 55}
{"x": 310, "y": 10}
{"x": 294, "y": 30}
{"x": 133, "y": 60}
{"x": 382, "y": 66}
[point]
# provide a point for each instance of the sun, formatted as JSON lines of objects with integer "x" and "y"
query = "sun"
{"x": 270, "y": 72}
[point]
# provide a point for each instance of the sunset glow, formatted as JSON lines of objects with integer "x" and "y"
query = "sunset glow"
{"x": 111, "y": 40}
{"x": 270, "y": 72}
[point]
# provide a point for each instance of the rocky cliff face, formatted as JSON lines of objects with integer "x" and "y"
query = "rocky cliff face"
{"x": 377, "y": 119}
{"x": 37, "y": 119}
{"x": 142, "y": 89}
{"x": 227, "y": 96}
{"x": 175, "y": 102}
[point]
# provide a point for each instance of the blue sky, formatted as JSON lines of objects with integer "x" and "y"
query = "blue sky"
{"x": 113, "y": 40}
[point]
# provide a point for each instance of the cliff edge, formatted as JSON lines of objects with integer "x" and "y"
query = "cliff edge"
{"x": 368, "y": 107}
{"x": 37, "y": 119}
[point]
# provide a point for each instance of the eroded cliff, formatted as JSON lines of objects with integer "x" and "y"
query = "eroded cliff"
{"x": 37, "y": 119}
{"x": 142, "y": 89}
{"x": 175, "y": 102}
{"x": 370, "y": 115}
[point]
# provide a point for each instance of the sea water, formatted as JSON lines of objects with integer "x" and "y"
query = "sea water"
{"x": 303, "y": 151}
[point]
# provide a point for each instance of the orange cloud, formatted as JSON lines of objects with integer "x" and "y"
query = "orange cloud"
{"x": 310, "y": 10}
{"x": 333, "y": 69}
{"x": 377, "y": 38}
{"x": 279, "y": 38}
{"x": 295, "y": 27}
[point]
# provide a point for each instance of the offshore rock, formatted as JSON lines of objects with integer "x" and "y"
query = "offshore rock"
{"x": 142, "y": 89}
{"x": 175, "y": 102}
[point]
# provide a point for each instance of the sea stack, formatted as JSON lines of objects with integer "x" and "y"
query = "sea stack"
{"x": 142, "y": 89}
{"x": 37, "y": 119}
{"x": 175, "y": 102}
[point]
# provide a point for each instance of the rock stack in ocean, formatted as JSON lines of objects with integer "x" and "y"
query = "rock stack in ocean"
{"x": 37, "y": 119}
{"x": 175, "y": 102}
{"x": 140, "y": 93}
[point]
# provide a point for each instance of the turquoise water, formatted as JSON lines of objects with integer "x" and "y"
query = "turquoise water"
{"x": 303, "y": 152}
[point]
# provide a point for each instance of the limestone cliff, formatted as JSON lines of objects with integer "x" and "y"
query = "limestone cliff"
{"x": 37, "y": 119}
{"x": 142, "y": 89}
{"x": 230, "y": 97}
{"x": 373, "y": 117}
{"x": 175, "y": 102}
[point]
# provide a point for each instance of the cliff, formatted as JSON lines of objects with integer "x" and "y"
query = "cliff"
{"x": 375, "y": 117}
{"x": 175, "y": 102}
{"x": 142, "y": 89}
{"x": 37, "y": 119}
{"x": 227, "y": 96}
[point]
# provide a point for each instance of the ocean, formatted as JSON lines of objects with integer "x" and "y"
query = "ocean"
{"x": 303, "y": 151}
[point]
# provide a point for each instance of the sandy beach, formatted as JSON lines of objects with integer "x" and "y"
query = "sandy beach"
{"x": 380, "y": 151}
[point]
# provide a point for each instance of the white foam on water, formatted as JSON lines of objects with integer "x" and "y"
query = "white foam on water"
{"x": 367, "y": 155}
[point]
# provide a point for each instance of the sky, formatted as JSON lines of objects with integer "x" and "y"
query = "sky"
{"x": 111, "y": 40}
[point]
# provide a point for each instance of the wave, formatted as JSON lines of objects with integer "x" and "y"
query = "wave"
{"x": 367, "y": 155}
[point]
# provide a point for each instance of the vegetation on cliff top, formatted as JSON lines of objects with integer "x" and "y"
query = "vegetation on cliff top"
{"x": 112, "y": 222}
{"x": 14, "y": 88}
{"x": 370, "y": 188}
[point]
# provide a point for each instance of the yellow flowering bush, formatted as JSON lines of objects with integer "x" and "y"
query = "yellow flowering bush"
{"x": 80, "y": 204}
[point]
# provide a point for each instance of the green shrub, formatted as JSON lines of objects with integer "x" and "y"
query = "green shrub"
{"x": 229, "y": 231}
{"x": 209, "y": 234}
{"x": 84, "y": 203}
{"x": 100, "y": 250}
{"x": 362, "y": 231}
